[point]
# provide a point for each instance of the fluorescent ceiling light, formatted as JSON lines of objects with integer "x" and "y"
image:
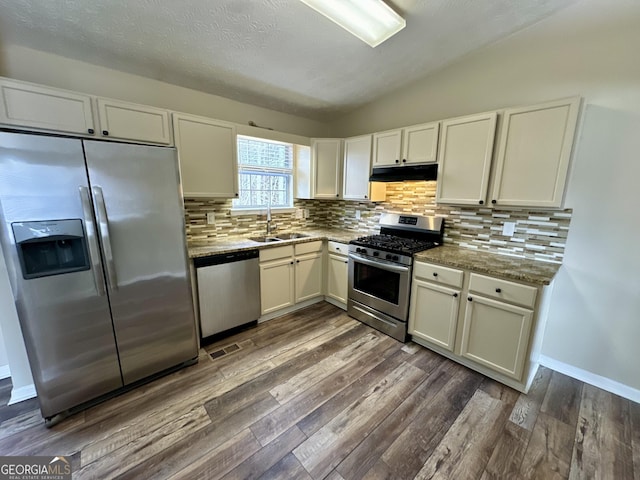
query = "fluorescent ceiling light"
{"x": 372, "y": 21}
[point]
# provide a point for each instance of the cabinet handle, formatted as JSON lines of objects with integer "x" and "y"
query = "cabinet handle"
{"x": 105, "y": 133}
{"x": 494, "y": 201}
{"x": 435, "y": 274}
{"x": 498, "y": 290}
{"x": 404, "y": 160}
{"x": 397, "y": 161}
{"x": 455, "y": 295}
{"x": 470, "y": 299}
{"x": 91, "y": 131}
{"x": 481, "y": 202}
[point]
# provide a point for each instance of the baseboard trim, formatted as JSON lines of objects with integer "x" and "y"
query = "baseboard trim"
{"x": 22, "y": 393}
{"x": 596, "y": 380}
{"x": 4, "y": 372}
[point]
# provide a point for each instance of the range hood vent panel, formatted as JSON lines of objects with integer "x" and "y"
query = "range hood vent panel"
{"x": 400, "y": 174}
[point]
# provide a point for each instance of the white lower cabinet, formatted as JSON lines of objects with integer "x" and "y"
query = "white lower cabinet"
{"x": 337, "y": 273}
{"x": 434, "y": 313}
{"x": 290, "y": 274}
{"x": 495, "y": 329}
{"x": 496, "y": 335}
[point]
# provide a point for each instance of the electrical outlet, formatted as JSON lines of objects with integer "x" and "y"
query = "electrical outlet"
{"x": 508, "y": 229}
{"x": 211, "y": 218}
{"x": 299, "y": 213}
{"x": 358, "y": 214}
{"x": 306, "y": 213}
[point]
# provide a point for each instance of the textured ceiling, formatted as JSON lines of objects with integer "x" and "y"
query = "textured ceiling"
{"x": 278, "y": 54}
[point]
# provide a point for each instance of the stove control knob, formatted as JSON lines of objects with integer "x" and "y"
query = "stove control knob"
{"x": 388, "y": 256}
{"x": 396, "y": 258}
{"x": 375, "y": 254}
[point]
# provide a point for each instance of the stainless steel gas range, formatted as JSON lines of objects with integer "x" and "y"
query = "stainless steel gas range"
{"x": 380, "y": 270}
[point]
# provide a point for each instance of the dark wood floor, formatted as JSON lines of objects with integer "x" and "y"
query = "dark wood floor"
{"x": 316, "y": 394}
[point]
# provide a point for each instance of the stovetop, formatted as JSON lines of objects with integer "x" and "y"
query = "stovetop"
{"x": 394, "y": 244}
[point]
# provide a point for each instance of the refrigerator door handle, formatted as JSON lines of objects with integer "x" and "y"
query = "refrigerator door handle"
{"x": 103, "y": 221}
{"x": 94, "y": 255}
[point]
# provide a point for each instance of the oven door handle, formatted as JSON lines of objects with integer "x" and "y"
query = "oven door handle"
{"x": 379, "y": 264}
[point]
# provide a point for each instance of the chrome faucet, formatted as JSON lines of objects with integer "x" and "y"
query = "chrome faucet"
{"x": 270, "y": 227}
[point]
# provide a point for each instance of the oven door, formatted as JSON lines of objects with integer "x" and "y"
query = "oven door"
{"x": 381, "y": 285}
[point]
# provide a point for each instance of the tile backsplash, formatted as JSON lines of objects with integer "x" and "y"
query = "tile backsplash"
{"x": 539, "y": 234}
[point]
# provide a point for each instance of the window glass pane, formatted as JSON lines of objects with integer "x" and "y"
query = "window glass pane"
{"x": 265, "y": 173}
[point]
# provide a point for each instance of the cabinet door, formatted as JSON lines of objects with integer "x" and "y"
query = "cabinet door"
{"x": 357, "y": 168}
{"x": 386, "y": 148}
{"x": 308, "y": 278}
{"x": 434, "y": 314}
{"x": 420, "y": 143}
{"x": 33, "y": 106}
{"x": 129, "y": 121}
{"x": 534, "y": 153}
{"x": 337, "y": 273}
{"x": 208, "y": 156}
{"x": 464, "y": 156}
{"x": 276, "y": 285}
{"x": 496, "y": 335}
{"x": 326, "y": 157}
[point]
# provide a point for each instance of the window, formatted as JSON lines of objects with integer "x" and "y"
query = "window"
{"x": 265, "y": 174}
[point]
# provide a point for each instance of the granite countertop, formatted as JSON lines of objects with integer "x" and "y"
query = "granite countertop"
{"x": 239, "y": 243}
{"x": 504, "y": 266}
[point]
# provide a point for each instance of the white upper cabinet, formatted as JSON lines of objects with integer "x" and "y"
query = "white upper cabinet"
{"x": 326, "y": 159}
{"x": 26, "y": 105}
{"x": 129, "y": 121}
{"x": 534, "y": 152}
{"x": 414, "y": 144}
{"x": 387, "y": 148}
{"x": 420, "y": 143}
{"x": 357, "y": 169}
{"x": 464, "y": 156}
{"x": 208, "y": 156}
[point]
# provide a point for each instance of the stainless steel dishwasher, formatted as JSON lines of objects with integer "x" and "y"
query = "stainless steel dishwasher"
{"x": 228, "y": 291}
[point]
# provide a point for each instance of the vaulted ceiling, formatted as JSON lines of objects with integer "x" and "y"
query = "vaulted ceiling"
{"x": 278, "y": 54}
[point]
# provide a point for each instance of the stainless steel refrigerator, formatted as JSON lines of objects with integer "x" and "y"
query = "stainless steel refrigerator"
{"x": 93, "y": 238}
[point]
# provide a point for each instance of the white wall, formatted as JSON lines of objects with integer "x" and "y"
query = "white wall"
{"x": 36, "y": 66}
{"x": 16, "y": 352}
{"x": 591, "y": 49}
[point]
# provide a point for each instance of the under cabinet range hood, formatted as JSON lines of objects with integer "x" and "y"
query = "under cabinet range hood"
{"x": 407, "y": 172}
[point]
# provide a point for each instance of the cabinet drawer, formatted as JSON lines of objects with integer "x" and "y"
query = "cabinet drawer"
{"x": 439, "y": 274}
{"x": 337, "y": 248}
{"x": 275, "y": 253}
{"x": 503, "y": 290}
{"x": 308, "y": 247}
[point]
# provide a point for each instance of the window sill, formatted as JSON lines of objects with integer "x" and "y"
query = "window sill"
{"x": 260, "y": 211}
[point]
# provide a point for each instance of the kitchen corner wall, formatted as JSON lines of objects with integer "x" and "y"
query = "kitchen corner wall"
{"x": 539, "y": 234}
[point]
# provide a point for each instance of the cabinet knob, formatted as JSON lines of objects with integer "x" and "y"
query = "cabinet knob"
{"x": 404, "y": 160}
{"x": 481, "y": 202}
{"x": 470, "y": 299}
{"x": 455, "y": 295}
{"x": 297, "y": 261}
{"x": 91, "y": 131}
{"x": 346, "y": 261}
{"x": 337, "y": 194}
{"x": 397, "y": 161}
{"x": 494, "y": 201}
{"x": 365, "y": 196}
{"x": 105, "y": 132}
{"x": 237, "y": 194}
{"x": 498, "y": 290}
{"x": 291, "y": 262}
{"x": 435, "y": 274}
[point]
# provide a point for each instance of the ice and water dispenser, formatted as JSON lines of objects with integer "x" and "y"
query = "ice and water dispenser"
{"x": 51, "y": 247}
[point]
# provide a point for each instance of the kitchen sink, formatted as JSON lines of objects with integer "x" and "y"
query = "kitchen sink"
{"x": 278, "y": 238}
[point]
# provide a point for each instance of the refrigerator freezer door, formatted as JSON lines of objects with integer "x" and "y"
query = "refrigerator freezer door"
{"x": 140, "y": 217}
{"x": 65, "y": 318}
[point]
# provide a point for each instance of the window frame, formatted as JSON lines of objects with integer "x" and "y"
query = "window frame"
{"x": 260, "y": 209}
